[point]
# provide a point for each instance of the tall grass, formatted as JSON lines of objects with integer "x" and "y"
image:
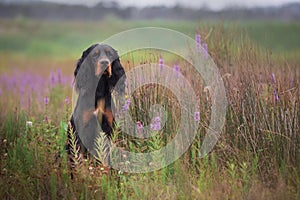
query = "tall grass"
{"x": 256, "y": 157}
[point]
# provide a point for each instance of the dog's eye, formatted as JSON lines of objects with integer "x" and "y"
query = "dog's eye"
{"x": 96, "y": 53}
{"x": 108, "y": 53}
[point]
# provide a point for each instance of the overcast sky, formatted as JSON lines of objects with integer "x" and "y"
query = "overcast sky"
{"x": 214, "y": 4}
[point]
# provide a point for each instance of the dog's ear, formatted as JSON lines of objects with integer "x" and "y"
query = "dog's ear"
{"x": 118, "y": 74}
{"x": 79, "y": 81}
{"x": 83, "y": 56}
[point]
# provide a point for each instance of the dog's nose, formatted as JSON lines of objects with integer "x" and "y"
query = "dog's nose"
{"x": 104, "y": 62}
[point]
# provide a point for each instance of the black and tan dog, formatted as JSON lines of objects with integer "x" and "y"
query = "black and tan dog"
{"x": 96, "y": 74}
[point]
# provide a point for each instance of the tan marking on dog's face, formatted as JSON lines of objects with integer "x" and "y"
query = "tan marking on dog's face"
{"x": 98, "y": 69}
{"x": 109, "y": 70}
{"x": 107, "y": 50}
{"x": 101, "y": 54}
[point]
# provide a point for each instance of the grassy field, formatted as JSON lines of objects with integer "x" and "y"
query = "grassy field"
{"x": 256, "y": 157}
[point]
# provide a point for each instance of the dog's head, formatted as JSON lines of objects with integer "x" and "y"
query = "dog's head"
{"x": 99, "y": 61}
{"x": 101, "y": 58}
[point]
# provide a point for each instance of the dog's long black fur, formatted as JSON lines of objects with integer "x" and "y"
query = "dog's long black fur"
{"x": 90, "y": 83}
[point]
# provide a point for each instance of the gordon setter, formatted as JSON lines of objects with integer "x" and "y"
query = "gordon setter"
{"x": 96, "y": 74}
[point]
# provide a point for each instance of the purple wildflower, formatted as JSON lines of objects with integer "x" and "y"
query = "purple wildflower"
{"x": 125, "y": 107}
{"x": 161, "y": 62}
{"x": 0, "y": 91}
{"x": 176, "y": 69}
{"x": 46, "y": 119}
{"x": 198, "y": 42}
{"x": 292, "y": 81}
{"x": 11, "y": 83}
{"x": 156, "y": 125}
{"x": 205, "y": 50}
{"x": 157, "y": 119}
{"x": 46, "y": 100}
{"x": 152, "y": 126}
{"x": 52, "y": 79}
{"x": 273, "y": 78}
{"x": 276, "y": 97}
{"x": 59, "y": 76}
{"x": 197, "y": 116}
{"x": 22, "y": 89}
{"x": 139, "y": 126}
{"x": 67, "y": 101}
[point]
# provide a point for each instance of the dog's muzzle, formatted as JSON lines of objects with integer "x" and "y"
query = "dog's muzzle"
{"x": 103, "y": 66}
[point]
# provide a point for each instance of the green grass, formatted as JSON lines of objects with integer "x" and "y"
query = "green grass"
{"x": 256, "y": 157}
{"x": 276, "y": 36}
{"x": 67, "y": 39}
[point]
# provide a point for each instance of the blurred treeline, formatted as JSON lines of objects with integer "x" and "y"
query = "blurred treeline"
{"x": 54, "y": 11}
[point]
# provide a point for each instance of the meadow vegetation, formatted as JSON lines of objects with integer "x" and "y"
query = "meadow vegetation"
{"x": 256, "y": 157}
